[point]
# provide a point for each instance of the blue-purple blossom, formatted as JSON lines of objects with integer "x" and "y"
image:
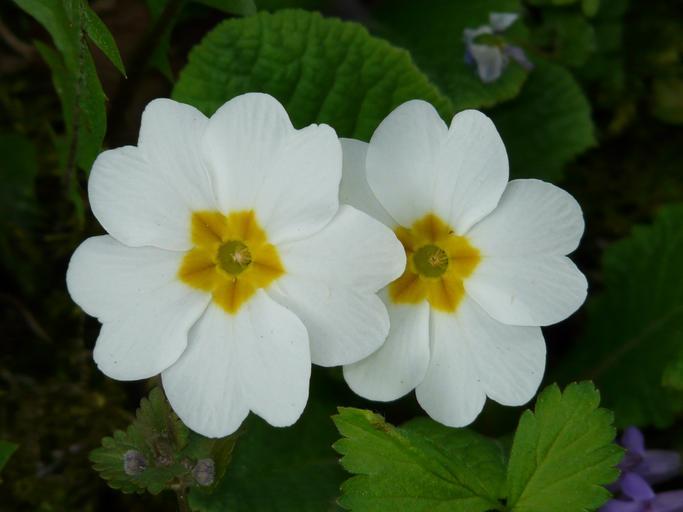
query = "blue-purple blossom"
{"x": 653, "y": 465}
{"x": 492, "y": 59}
{"x": 639, "y": 497}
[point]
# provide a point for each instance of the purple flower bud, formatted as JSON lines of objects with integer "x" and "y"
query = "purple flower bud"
{"x": 134, "y": 462}
{"x": 204, "y": 472}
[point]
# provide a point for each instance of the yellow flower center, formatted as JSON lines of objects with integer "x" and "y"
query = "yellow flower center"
{"x": 231, "y": 257}
{"x": 438, "y": 263}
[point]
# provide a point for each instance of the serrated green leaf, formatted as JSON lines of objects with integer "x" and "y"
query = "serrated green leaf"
{"x": 547, "y": 125}
{"x": 6, "y": 451}
{"x": 322, "y": 70}
{"x": 159, "y": 436}
{"x": 290, "y": 469}
{"x": 420, "y": 466}
{"x": 433, "y": 32}
{"x": 634, "y": 328}
{"x": 99, "y": 34}
{"x": 563, "y": 453}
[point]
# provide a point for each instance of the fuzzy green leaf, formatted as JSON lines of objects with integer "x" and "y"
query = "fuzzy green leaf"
{"x": 322, "y": 70}
{"x": 433, "y": 32}
{"x": 634, "y": 332}
{"x": 563, "y": 453}
{"x": 547, "y": 125}
{"x": 169, "y": 450}
{"x": 420, "y": 466}
{"x": 99, "y": 34}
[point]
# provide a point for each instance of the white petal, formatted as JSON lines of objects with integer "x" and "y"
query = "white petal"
{"x": 105, "y": 277}
{"x": 353, "y": 250}
{"x": 473, "y": 171}
{"x": 204, "y": 387}
{"x": 510, "y": 360}
{"x": 145, "y": 195}
{"x": 146, "y": 312}
{"x": 344, "y": 325}
{"x": 532, "y": 218}
{"x": 417, "y": 166}
{"x": 275, "y": 360}
{"x": 491, "y": 61}
{"x": 401, "y": 160}
{"x": 502, "y": 20}
{"x": 401, "y": 362}
{"x": 354, "y": 189}
{"x": 452, "y": 392}
{"x": 259, "y": 161}
{"x": 528, "y": 290}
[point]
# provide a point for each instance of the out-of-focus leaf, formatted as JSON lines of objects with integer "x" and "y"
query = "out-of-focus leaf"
{"x": 6, "y": 451}
{"x": 74, "y": 76}
{"x": 433, "y": 32}
{"x": 280, "y": 469}
{"x": 322, "y": 70}
{"x": 18, "y": 169}
{"x": 563, "y": 453}
{"x": 667, "y": 100}
{"x": 547, "y": 125}
{"x": 634, "y": 326}
{"x": 99, "y": 34}
{"x": 567, "y": 36}
{"x": 419, "y": 466}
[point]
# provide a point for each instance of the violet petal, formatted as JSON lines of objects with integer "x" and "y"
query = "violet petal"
{"x": 632, "y": 439}
{"x": 671, "y": 501}
{"x": 658, "y": 465}
{"x": 635, "y": 487}
{"x": 623, "y": 506}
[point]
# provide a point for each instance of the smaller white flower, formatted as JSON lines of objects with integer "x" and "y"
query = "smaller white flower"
{"x": 492, "y": 59}
{"x": 486, "y": 264}
{"x": 230, "y": 266}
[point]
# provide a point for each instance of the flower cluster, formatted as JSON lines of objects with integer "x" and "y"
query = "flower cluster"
{"x": 639, "y": 469}
{"x": 240, "y": 250}
{"x": 493, "y": 56}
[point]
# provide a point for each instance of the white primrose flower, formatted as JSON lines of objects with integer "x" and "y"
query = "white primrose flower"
{"x": 486, "y": 263}
{"x": 230, "y": 266}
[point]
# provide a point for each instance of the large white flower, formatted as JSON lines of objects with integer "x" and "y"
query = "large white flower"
{"x": 486, "y": 263}
{"x": 230, "y": 266}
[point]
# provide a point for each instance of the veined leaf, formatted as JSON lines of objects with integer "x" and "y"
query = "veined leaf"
{"x": 322, "y": 70}
{"x": 420, "y": 466}
{"x": 563, "y": 453}
{"x": 634, "y": 331}
{"x": 547, "y": 125}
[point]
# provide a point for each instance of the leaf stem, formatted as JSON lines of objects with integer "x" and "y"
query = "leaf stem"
{"x": 183, "y": 501}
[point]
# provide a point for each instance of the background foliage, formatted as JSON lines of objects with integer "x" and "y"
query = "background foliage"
{"x": 600, "y": 114}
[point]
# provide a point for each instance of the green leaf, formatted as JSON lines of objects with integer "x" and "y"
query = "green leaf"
{"x": 74, "y": 76}
{"x": 433, "y": 32}
{"x": 420, "y": 466}
{"x": 633, "y": 329}
{"x": 167, "y": 447}
{"x": 547, "y": 125}
{"x": 6, "y": 451}
{"x": 673, "y": 374}
{"x": 322, "y": 70}
{"x": 281, "y": 469}
{"x": 99, "y": 34}
{"x": 563, "y": 453}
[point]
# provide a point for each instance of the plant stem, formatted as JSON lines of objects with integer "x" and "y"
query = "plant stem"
{"x": 183, "y": 501}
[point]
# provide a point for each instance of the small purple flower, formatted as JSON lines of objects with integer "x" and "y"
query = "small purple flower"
{"x": 643, "y": 499}
{"x": 492, "y": 59}
{"x": 653, "y": 465}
